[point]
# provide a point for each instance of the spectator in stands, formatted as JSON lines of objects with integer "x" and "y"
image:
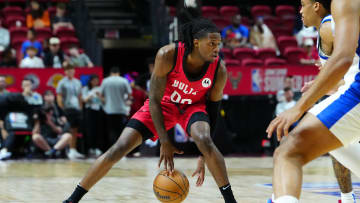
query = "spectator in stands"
{"x": 287, "y": 103}
{"x": 60, "y": 19}
{"x": 261, "y": 36}
{"x": 55, "y": 57}
{"x": 31, "y": 41}
{"x": 143, "y": 81}
{"x": 116, "y": 94}
{"x": 4, "y": 37}
{"x": 79, "y": 60}
{"x": 305, "y": 33}
{"x": 32, "y": 98}
{"x": 241, "y": 31}
{"x": 51, "y": 130}
{"x": 31, "y": 61}
{"x": 69, "y": 100}
{"x": 8, "y": 59}
{"x": 3, "y": 89}
{"x": 92, "y": 101}
{"x": 311, "y": 55}
{"x": 231, "y": 41}
{"x": 288, "y": 83}
{"x": 38, "y": 17}
{"x": 46, "y": 45}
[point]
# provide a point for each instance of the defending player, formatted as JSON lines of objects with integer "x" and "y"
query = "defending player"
{"x": 333, "y": 123}
{"x": 186, "y": 76}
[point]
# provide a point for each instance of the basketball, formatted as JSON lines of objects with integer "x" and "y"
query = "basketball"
{"x": 171, "y": 188}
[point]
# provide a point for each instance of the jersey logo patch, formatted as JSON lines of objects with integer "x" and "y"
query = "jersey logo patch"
{"x": 206, "y": 82}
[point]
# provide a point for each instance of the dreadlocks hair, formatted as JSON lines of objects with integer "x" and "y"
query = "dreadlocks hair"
{"x": 325, "y": 3}
{"x": 196, "y": 29}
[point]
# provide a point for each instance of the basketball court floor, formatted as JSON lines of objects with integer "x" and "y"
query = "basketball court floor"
{"x": 130, "y": 181}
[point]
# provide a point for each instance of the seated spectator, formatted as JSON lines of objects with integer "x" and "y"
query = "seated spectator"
{"x": 4, "y": 37}
{"x": 31, "y": 41}
{"x": 55, "y": 56}
{"x": 79, "y": 60}
{"x": 60, "y": 19}
{"x": 8, "y": 59}
{"x": 261, "y": 36}
{"x": 38, "y": 17}
{"x": 31, "y": 61}
{"x": 51, "y": 130}
{"x": 311, "y": 56}
{"x": 31, "y": 97}
{"x": 241, "y": 31}
{"x": 305, "y": 33}
{"x": 287, "y": 103}
{"x": 231, "y": 40}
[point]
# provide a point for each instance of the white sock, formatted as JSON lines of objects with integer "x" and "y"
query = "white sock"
{"x": 273, "y": 197}
{"x": 347, "y": 197}
{"x": 286, "y": 199}
{"x": 72, "y": 150}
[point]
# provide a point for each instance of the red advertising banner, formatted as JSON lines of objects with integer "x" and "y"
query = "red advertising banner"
{"x": 266, "y": 80}
{"x": 44, "y": 79}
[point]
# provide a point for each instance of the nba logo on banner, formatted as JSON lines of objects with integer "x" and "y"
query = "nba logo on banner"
{"x": 256, "y": 80}
{"x": 206, "y": 82}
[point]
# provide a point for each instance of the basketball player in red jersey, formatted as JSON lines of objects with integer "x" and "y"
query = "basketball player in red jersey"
{"x": 186, "y": 87}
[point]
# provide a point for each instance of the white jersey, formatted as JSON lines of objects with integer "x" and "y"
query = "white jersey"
{"x": 349, "y": 77}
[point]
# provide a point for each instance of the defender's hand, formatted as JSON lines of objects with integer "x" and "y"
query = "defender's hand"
{"x": 200, "y": 171}
{"x": 167, "y": 151}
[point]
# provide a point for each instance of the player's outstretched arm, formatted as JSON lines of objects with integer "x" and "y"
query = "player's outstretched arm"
{"x": 346, "y": 16}
{"x": 163, "y": 65}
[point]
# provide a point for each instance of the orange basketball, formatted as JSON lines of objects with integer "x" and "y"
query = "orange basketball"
{"x": 171, "y": 189}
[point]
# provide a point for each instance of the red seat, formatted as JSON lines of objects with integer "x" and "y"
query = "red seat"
{"x": 282, "y": 31}
{"x": 52, "y": 11}
{"x": 243, "y": 53}
{"x": 18, "y": 32}
{"x": 288, "y": 21}
{"x": 13, "y": 11}
{"x": 11, "y": 21}
{"x": 272, "y": 21}
{"x": 286, "y": 41}
{"x": 246, "y": 21}
{"x": 66, "y": 42}
{"x": 232, "y": 62}
{"x": 274, "y": 62}
{"x": 65, "y": 32}
{"x": 229, "y": 11}
{"x": 227, "y": 53}
{"x": 17, "y": 1}
{"x": 172, "y": 11}
{"x": 43, "y": 33}
{"x": 260, "y": 10}
{"x": 249, "y": 62}
{"x": 293, "y": 54}
{"x": 284, "y": 10}
{"x": 265, "y": 53}
{"x": 16, "y": 43}
{"x": 209, "y": 12}
{"x": 221, "y": 23}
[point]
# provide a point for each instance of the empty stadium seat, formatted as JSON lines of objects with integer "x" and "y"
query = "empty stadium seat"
{"x": 245, "y": 21}
{"x": 283, "y": 10}
{"x": 272, "y": 21}
{"x": 229, "y": 11}
{"x": 11, "y": 21}
{"x": 274, "y": 62}
{"x": 243, "y": 53}
{"x": 18, "y": 32}
{"x": 43, "y": 33}
{"x": 260, "y": 10}
{"x": 286, "y": 41}
{"x": 17, "y": 1}
{"x": 172, "y": 11}
{"x": 12, "y": 11}
{"x": 249, "y": 62}
{"x": 293, "y": 54}
{"x": 282, "y": 31}
{"x": 66, "y": 42}
{"x": 288, "y": 22}
{"x": 209, "y": 12}
{"x": 17, "y": 42}
{"x": 221, "y": 22}
{"x": 52, "y": 11}
{"x": 227, "y": 53}
{"x": 65, "y": 32}
{"x": 266, "y": 53}
{"x": 232, "y": 62}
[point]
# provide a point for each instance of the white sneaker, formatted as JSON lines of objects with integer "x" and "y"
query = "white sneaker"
{"x": 5, "y": 154}
{"x": 74, "y": 154}
{"x": 97, "y": 152}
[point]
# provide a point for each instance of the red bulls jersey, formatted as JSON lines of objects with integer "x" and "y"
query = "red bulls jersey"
{"x": 183, "y": 89}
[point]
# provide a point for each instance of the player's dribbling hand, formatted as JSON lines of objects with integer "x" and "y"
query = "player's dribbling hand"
{"x": 282, "y": 122}
{"x": 167, "y": 151}
{"x": 200, "y": 171}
